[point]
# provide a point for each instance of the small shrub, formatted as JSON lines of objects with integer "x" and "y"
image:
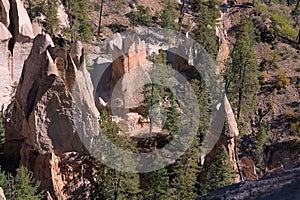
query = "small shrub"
{"x": 288, "y": 114}
{"x": 283, "y": 80}
{"x": 264, "y": 77}
{"x": 295, "y": 128}
{"x": 261, "y": 140}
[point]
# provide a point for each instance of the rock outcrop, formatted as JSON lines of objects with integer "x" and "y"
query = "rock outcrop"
{"x": 129, "y": 62}
{"x": 52, "y": 113}
{"x": 16, "y": 36}
{"x": 283, "y": 186}
{"x": 5, "y": 59}
{"x": 2, "y": 196}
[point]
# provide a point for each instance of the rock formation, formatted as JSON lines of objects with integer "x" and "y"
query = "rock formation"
{"x": 280, "y": 186}
{"x": 52, "y": 113}
{"x": 16, "y": 36}
{"x": 2, "y": 196}
{"x": 129, "y": 62}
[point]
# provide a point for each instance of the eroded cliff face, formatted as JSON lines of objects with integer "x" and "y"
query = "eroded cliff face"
{"x": 16, "y": 42}
{"x": 52, "y": 112}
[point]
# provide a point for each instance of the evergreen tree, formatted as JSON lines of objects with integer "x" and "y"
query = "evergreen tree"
{"x": 173, "y": 115}
{"x": 156, "y": 185}
{"x": 114, "y": 184}
{"x": 261, "y": 141}
{"x": 205, "y": 31}
{"x": 242, "y": 75}
{"x": 219, "y": 173}
{"x": 169, "y": 14}
{"x": 50, "y": 11}
{"x": 24, "y": 187}
{"x": 141, "y": 15}
{"x": 4, "y": 184}
{"x": 185, "y": 172}
{"x": 37, "y": 8}
{"x": 80, "y": 27}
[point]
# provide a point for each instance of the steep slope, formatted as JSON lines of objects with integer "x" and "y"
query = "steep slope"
{"x": 283, "y": 186}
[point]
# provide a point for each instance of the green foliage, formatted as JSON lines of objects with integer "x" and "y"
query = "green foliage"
{"x": 23, "y": 186}
{"x": 185, "y": 172}
{"x": 114, "y": 184}
{"x": 172, "y": 120}
{"x": 169, "y": 14}
{"x": 4, "y": 184}
{"x": 204, "y": 107}
{"x": 156, "y": 184}
{"x": 80, "y": 26}
{"x": 282, "y": 19}
{"x": 219, "y": 173}
{"x": 156, "y": 93}
{"x": 261, "y": 141}
{"x": 241, "y": 75}
{"x": 204, "y": 32}
{"x": 50, "y": 11}
{"x": 283, "y": 80}
{"x": 295, "y": 128}
{"x": 37, "y": 8}
{"x": 142, "y": 15}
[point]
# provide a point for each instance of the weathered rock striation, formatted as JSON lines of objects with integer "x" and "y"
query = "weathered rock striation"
{"x": 52, "y": 113}
{"x": 16, "y": 36}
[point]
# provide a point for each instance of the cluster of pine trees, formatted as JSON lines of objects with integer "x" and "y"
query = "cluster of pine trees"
{"x": 185, "y": 178}
{"x": 22, "y": 185}
{"x": 77, "y": 10}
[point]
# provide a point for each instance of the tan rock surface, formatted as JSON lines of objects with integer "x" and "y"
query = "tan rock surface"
{"x": 2, "y": 196}
{"x": 5, "y": 7}
{"x": 45, "y": 121}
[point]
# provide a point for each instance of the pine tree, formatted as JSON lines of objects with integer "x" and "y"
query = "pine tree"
{"x": 204, "y": 32}
{"x": 24, "y": 187}
{"x": 242, "y": 75}
{"x": 80, "y": 27}
{"x": 142, "y": 15}
{"x": 219, "y": 173}
{"x": 50, "y": 11}
{"x": 185, "y": 172}
{"x": 169, "y": 14}
{"x": 114, "y": 184}
{"x": 172, "y": 119}
{"x": 261, "y": 141}
{"x": 37, "y": 8}
{"x": 156, "y": 184}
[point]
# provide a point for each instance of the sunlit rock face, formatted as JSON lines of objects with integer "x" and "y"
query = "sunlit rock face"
{"x": 52, "y": 112}
{"x": 16, "y": 36}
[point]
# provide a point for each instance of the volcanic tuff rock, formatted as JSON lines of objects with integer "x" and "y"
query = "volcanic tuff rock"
{"x": 52, "y": 113}
{"x": 16, "y": 36}
{"x": 2, "y": 196}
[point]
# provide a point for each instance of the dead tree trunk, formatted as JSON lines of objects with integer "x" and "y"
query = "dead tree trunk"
{"x": 100, "y": 18}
